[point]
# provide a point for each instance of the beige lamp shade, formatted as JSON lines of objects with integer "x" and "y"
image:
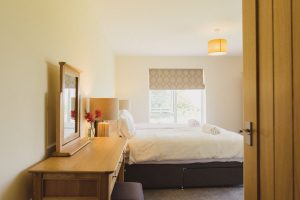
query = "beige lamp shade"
{"x": 217, "y": 47}
{"x": 109, "y": 107}
{"x": 124, "y": 104}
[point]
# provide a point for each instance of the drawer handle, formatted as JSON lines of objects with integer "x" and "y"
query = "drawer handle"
{"x": 115, "y": 176}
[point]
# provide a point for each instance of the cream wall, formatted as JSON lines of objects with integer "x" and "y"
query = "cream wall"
{"x": 34, "y": 36}
{"x": 223, "y": 79}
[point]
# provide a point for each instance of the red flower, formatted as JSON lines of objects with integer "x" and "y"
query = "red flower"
{"x": 89, "y": 117}
{"x": 73, "y": 114}
{"x": 98, "y": 113}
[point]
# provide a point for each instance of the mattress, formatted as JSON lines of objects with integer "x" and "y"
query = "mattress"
{"x": 207, "y": 160}
{"x": 167, "y": 145}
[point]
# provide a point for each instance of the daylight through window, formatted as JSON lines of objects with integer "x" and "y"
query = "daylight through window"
{"x": 176, "y": 106}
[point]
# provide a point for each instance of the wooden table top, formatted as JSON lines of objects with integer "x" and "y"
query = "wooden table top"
{"x": 102, "y": 155}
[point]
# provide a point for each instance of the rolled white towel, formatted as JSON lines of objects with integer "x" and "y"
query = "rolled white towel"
{"x": 211, "y": 129}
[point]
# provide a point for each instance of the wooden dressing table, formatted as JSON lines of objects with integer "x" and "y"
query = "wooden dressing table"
{"x": 91, "y": 173}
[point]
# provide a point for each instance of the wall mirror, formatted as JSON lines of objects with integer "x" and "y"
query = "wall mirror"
{"x": 68, "y": 139}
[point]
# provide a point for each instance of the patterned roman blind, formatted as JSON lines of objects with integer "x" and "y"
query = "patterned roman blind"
{"x": 176, "y": 79}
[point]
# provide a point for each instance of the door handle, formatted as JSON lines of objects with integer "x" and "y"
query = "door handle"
{"x": 248, "y": 132}
{"x": 244, "y": 131}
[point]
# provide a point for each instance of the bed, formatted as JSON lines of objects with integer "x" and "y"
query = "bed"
{"x": 178, "y": 156}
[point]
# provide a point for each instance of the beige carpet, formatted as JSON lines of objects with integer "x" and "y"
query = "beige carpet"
{"x": 226, "y": 193}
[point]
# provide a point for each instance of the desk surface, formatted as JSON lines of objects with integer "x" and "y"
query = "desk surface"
{"x": 102, "y": 155}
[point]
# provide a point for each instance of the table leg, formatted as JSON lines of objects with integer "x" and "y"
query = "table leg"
{"x": 37, "y": 186}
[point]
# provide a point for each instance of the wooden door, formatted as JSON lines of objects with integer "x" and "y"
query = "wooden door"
{"x": 266, "y": 100}
{"x": 283, "y": 100}
{"x": 250, "y": 98}
{"x": 272, "y": 98}
{"x": 275, "y": 99}
{"x": 296, "y": 94}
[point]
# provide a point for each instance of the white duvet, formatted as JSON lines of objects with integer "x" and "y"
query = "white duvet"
{"x": 185, "y": 144}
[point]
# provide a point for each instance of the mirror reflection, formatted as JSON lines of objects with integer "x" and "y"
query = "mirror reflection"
{"x": 70, "y": 108}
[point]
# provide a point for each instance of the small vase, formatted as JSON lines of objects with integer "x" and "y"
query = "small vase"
{"x": 91, "y": 133}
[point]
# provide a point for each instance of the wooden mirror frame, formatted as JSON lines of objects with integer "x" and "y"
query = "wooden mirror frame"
{"x": 68, "y": 146}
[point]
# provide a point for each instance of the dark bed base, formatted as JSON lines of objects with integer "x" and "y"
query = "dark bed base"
{"x": 186, "y": 175}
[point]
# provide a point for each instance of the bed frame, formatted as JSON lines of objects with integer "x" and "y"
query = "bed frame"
{"x": 186, "y": 175}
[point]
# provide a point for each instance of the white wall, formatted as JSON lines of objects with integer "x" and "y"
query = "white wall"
{"x": 34, "y": 36}
{"x": 223, "y": 80}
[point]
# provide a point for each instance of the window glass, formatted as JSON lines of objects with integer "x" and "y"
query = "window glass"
{"x": 189, "y": 105}
{"x": 162, "y": 106}
{"x": 176, "y": 106}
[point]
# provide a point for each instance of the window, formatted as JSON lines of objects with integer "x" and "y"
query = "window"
{"x": 176, "y": 106}
{"x": 176, "y": 95}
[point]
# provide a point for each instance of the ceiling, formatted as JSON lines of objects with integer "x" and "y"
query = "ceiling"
{"x": 171, "y": 27}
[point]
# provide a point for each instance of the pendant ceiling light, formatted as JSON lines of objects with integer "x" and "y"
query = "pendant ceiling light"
{"x": 217, "y": 47}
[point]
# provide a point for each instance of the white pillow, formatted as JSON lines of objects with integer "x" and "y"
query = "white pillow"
{"x": 126, "y": 124}
{"x": 193, "y": 123}
{"x": 211, "y": 129}
{"x": 128, "y": 116}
